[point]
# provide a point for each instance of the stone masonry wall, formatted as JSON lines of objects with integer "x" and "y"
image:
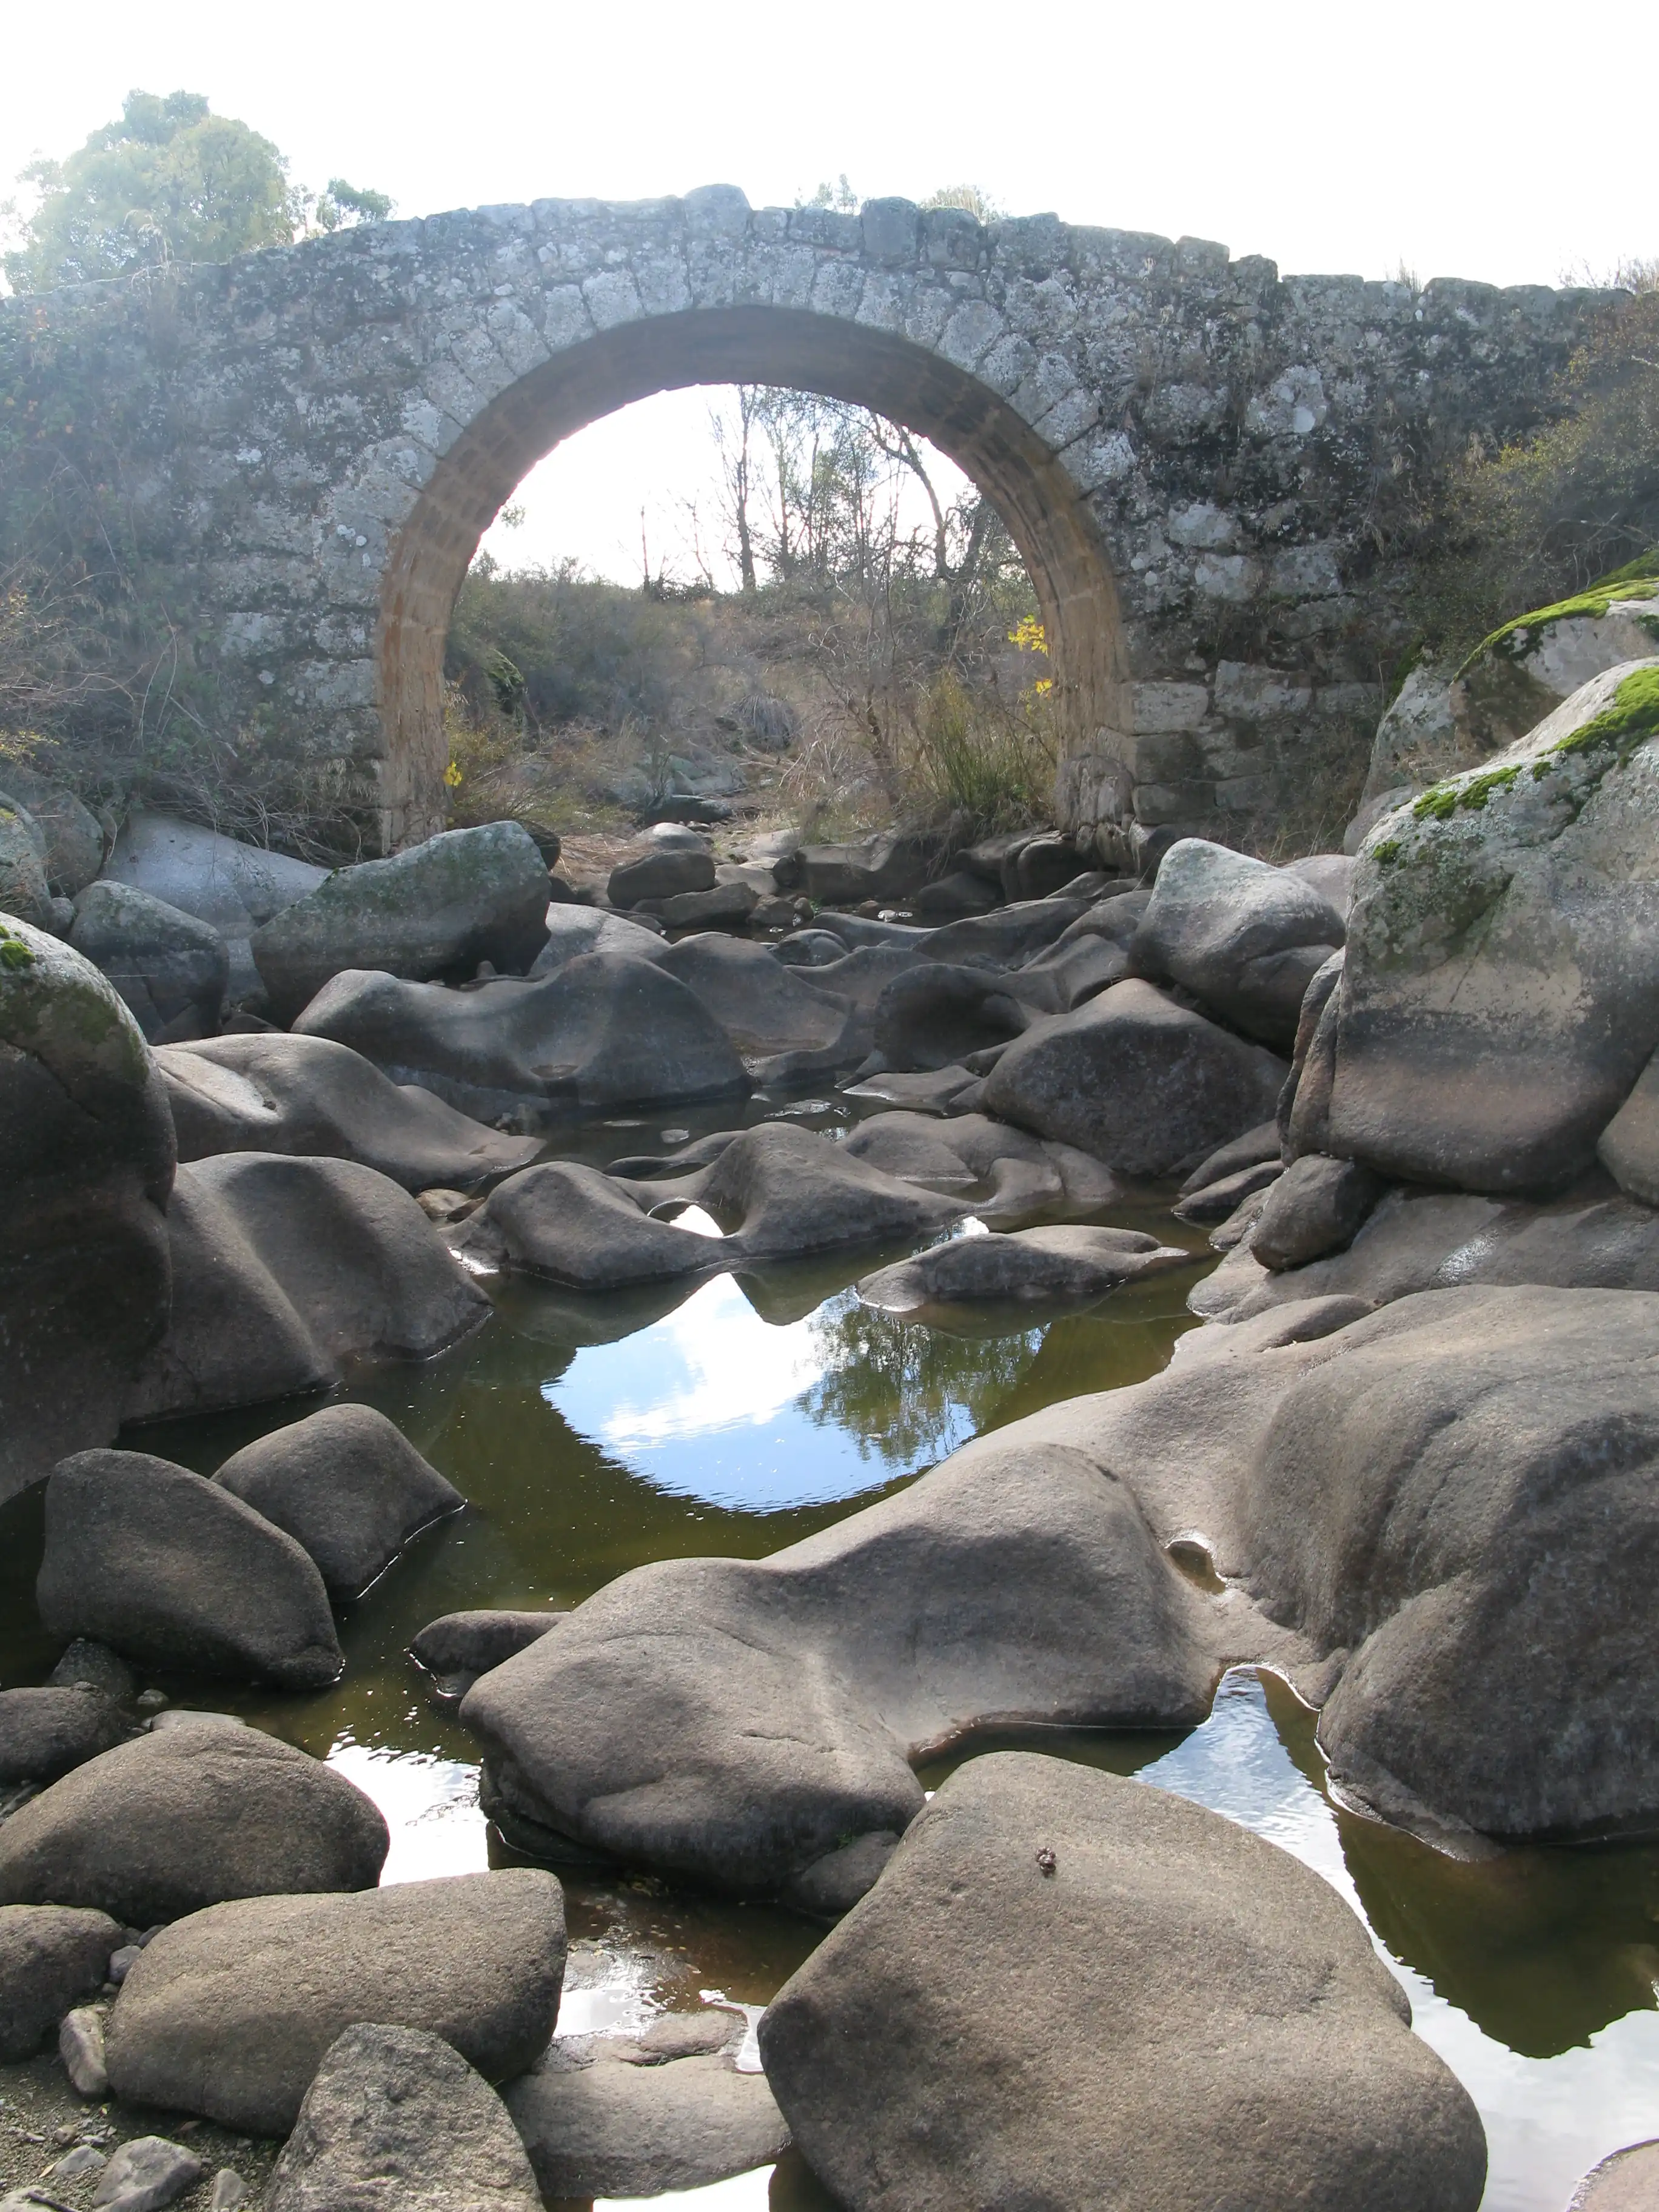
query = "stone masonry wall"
{"x": 1197, "y": 456}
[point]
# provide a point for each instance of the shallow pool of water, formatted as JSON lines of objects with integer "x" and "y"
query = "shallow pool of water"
{"x": 740, "y": 1413}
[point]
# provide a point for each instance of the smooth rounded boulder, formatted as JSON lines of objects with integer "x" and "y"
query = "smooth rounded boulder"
{"x": 1070, "y": 1265}
{"x": 1500, "y": 993}
{"x": 306, "y": 1096}
{"x": 171, "y": 1823}
{"x": 607, "y": 1029}
{"x": 171, "y": 970}
{"x": 396, "y": 2121}
{"x": 347, "y": 1484}
{"x": 1244, "y": 938}
{"x": 1140, "y": 1082}
{"x": 1185, "y": 2016}
{"x": 52, "y": 1957}
{"x": 44, "y": 1732}
{"x": 231, "y": 2012}
{"x": 71, "y": 834}
{"x": 438, "y": 908}
{"x": 565, "y": 1222}
{"x": 286, "y": 1271}
{"x": 85, "y": 1269}
{"x": 176, "y": 1572}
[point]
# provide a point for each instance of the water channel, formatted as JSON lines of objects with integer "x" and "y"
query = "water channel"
{"x": 590, "y": 1435}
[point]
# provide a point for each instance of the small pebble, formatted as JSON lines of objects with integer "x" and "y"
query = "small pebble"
{"x": 229, "y": 2190}
{"x": 79, "y": 2162}
{"x": 147, "y": 2173}
{"x": 80, "y": 2047}
{"x": 150, "y": 1701}
{"x": 122, "y": 1961}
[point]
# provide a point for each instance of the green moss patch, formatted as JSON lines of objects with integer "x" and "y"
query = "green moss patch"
{"x": 14, "y": 951}
{"x": 1629, "y": 719}
{"x": 1637, "y": 579}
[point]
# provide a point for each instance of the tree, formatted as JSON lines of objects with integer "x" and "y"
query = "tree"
{"x": 170, "y": 181}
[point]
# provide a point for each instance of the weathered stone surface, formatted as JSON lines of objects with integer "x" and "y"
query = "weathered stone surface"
{"x": 1315, "y": 1208}
{"x": 73, "y": 838}
{"x": 171, "y": 1823}
{"x": 284, "y": 1271}
{"x": 1136, "y": 1080}
{"x": 1201, "y": 2019}
{"x": 1063, "y": 1264}
{"x": 886, "y": 867}
{"x": 762, "y": 1006}
{"x": 1500, "y": 995}
{"x": 84, "y": 1270}
{"x": 397, "y": 2121}
{"x": 1255, "y": 1146}
{"x": 606, "y": 1029}
{"x": 170, "y": 1569}
{"x": 44, "y": 1732}
{"x": 438, "y": 908}
{"x": 1244, "y": 938}
{"x": 231, "y": 2012}
{"x": 347, "y": 1484}
{"x": 218, "y": 879}
{"x": 52, "y": 1956}
{"x": 171, "y": 970}
{"x": 569, "y": 1224}
{"x": 308, "y": 1095}
{"x": 737, "y": 1720}
{"x": 572, "y": 930}
{"x": 80, "y": 2047}
{"x": 469, "y": 1643}
{"x": 145, "y": 2173}
{"x": 612, "y": 2129}
{"x": 1425, "y": 1242}
{"x": 667, "y": 873}
{"x": 781, "y": 1192}
{"x": 1219, "y": 1200}
{"x": 1628, "y": 1148}
{"x": 1417, "y": 743}
{"x": 935, "y": 1015}
{"x": 23, "y": 891}
{"x": 727, "y": 906}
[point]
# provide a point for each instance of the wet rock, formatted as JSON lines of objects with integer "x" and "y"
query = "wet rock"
{"x": 87, "y": 1143}
{"x": 934, "y": 1016}
{"x": 283, "y": 1270}
{"x": 1242, "y": 937}
{"x": 1425, "y": 1241}
{"x": 171, "y": 970}
{"x": 394, "y": 2118}
{"x": 1628, "y": 1148}
{"x": 1198, "y": 2010}
{"x": 308, "y": 1095}
{"x": 176, "y": 1571}
{"x": 1315, "y": 1208}
{"x": 573, "y": 930}
{"x": 762, "y": 1006}
{"x": 935, "y": 1092}
{"x": 435, "y": 909}
{"x": 52, "y": 1957}
{"x": 80, "y": 2047}
{"x": 1498, "y": 1003}
{"x": 145, "y": 2173}
{"x": 45, "y": 1732}
{"x": 347, "y": 1484}
{"x": 231, "y": 2012}
{"x": 1135, "y": 1080}
{"x": 170, "y": 1823}
{"x": 1627, "y": 2182}
{"x": 737, "y": 1720}
{"x": 569, "y": 1224}
{"x": 610, "y": 2129}
{"x": 464, "y": 1645}
{"x": 1219, "y": 1200}
{"x": 683, "y": 2035}
{"x": 607, "y": 1029}
{"x": 917, "y": 1148}
{"x": 668, "y": 873}
{"x": 1062, "y": 1264}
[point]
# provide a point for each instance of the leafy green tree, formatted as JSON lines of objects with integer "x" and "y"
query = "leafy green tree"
{"x": 169, "y": 182}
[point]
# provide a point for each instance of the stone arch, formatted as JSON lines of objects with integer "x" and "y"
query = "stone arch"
{"x": 1045, "y": 512}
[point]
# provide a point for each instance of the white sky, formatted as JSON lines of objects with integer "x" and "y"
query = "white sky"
{"x": 1481, "y": 138}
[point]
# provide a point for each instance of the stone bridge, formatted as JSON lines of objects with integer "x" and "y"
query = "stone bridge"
{"x": 1199, "y": 460}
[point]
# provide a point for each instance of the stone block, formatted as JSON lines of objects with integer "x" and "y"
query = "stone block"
{"x": 1162, "y": 707}
{"x": 1246, "y": 692}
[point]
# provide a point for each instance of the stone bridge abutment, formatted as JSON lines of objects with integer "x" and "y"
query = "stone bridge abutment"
{"x": 1192, "y": 454}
